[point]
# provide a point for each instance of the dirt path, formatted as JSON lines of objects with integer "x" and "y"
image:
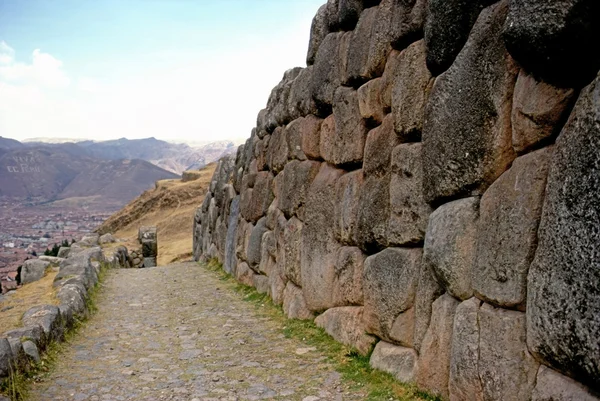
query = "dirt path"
{"x": 179, "y": 333}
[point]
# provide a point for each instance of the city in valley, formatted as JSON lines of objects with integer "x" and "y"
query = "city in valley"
{"x": 27, "y": 229}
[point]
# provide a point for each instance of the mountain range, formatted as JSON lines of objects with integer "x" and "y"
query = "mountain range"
{"x": 109, "y": 172}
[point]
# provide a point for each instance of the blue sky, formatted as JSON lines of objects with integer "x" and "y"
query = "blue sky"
{"x": 172, "y": 69}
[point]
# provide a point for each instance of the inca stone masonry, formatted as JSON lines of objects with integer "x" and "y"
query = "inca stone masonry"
{"x": 430, "y": 185}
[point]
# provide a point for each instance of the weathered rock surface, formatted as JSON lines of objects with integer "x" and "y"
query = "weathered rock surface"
{"x": 510, "y": 212}
{"x": 292, "y": 249}
{"x": 409, "y": 213}
{"x": 563, "y": 289}
{"x": 346, "y": 146}
{"x": 348, "y": 189}
{"x": 450, "y": 245}
{"x": 549, "y": 38}
{"x": 552, "y": 386}
{"x": 326, "y": 75}
{"x": 506, "y": 368}
{"x": 369, "y": 102}
{"x": 378, "y": 148}
{"x": 447, "y": 29}
{"x": 433, "y": 367}
{"x": 464, "y": 382}
{"x": 395, "y": 360}
{"x": 33, "y": 270}
{"x": 311, "y": 136}
{"x": 6, "y": 356}
{"x": 428, "y": 290}
{"x": 373, "y": 214}
{"x": 318, "y": 236}
{"x": 348, "y": 282}
{"x": 410, "y": 92}
{"x": 255, "y": 243}
{"x": 48, "y": 317}
{"x": 31, "y": 350}
{"x": 297, "y": 177}
{"x": 539, "y": 110}
{"x": 467, "y": 137}
{"x": 294, "y": 303}
{"x": 389, "y": 284}
{"x": 345, "y": 325}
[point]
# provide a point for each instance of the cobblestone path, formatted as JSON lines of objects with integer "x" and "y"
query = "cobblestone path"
{"x": 179, "y": 333}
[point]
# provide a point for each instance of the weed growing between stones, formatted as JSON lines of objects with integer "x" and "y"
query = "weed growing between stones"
{"x": 17, "y": 385}
{"x": 354, "y": 367}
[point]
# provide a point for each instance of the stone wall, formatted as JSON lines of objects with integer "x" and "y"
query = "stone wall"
{"x": 430, "y": 183}
{"x": 78, "y": 274}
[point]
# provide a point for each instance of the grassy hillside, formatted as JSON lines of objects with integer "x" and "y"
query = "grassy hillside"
{"x": 171, "y": 207}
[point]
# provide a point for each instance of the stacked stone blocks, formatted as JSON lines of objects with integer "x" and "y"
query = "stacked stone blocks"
{"x": 426, "y": 187}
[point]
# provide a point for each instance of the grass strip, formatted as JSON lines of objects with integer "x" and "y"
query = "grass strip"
{"x": 354, "y": 367}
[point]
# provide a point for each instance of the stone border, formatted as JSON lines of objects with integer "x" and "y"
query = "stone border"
{"x": 44, "y": 324}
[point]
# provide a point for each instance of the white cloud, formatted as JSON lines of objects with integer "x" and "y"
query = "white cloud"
{"x": 7, "y": 53}
{"x": 44, "y": 69}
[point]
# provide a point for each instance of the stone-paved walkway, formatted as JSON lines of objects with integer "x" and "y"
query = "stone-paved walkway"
{"x": 179, "y": 333}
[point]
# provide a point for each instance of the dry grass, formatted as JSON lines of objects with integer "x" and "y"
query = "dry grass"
{"x": 170, "y": 207}
{"x": 38, "y": 293}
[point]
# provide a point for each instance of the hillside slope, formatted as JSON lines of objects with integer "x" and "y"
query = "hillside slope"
{"x": 170, "y": 206}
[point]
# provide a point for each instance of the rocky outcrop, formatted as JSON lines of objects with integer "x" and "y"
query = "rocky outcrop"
{"x": 406, "y": 187}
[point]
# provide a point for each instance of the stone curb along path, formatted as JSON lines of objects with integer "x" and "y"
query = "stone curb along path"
{"x": 179, "y": 333}
{"x": 42, "y": 324}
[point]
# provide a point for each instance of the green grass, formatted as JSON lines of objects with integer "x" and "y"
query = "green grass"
{"x": 17, "y": 385}
{"x": 354, "y": 367}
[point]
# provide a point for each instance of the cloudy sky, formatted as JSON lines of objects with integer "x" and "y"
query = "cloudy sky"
{"x": 173, "y": 69}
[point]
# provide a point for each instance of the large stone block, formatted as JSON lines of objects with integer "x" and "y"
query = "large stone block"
{"x": 348, "y": 190}
{"x": 300, "y": 101}
{"x": 403, "y": 328}
{"x": 345, "y": 325}
{"x": 294, "y": 303}
{"x": 348, "y": 283}
{"x": 49, "y": 318}
{"x": 362, "y": 65}
{"x": 563, "y": 289}
{"x": 450, "y": 245}
{"x": 433, "y": 366}
{"x": 349, "y": 13}
{"x": 347, "y": 143}
{"x": 410, "y": 93}
{"x": 292, "y": 248}
{"x": 318, "y": 236}
{"x": 464, "y": 382}
{"x": 428, "y": 290}
{"x": 510, "y": 212}
{"x": 539, "y": 110}
{"x": 373, "y": 214}
{"x": 311, "y": 136}
{"x": 467, "y": 137}
{"x": 551, "y": 39}
{"x": 297, "y": 179}
{"x": 378, "y": 148}
{"x": 409, "y": 213}
{"x": 447, "y": 29}
{"x": 389, "y": 285}
{"x": 400, "y": 362}
{"x": 33, "y": 270}
{"x": 318, "y": 30}
{"x": 327, "y": 71}
{"x": 259, "y": 198}
{"x": 278, "y": 152}
{"x": 552, "y": 386}
{"x": 293, "y": 135}
{"x": 506, "y": 368}
{"x": 230, "y": 260}
{"x": 389, "y": 78}
{"x": 278, "y": 112}
{"x": 254, "y": 249}
{"x": 369, "y": 102}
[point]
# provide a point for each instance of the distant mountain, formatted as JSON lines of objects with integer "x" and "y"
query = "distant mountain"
{"x": 9, "y": 144}
{"x": 51, "y": 173}
{"x": 116, "y": 180}
{"x": 174, "y": 157}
